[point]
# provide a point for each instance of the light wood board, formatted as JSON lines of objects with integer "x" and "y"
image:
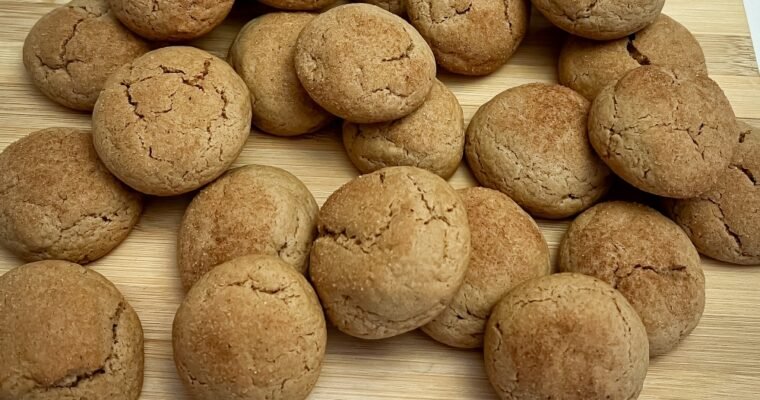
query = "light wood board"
{"x": 721, "y": 359}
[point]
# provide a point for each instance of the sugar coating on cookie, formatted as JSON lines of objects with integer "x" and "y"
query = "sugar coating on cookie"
{"x": 432, "y": 137}
{"x": 648, "y": 258}
{"x": 364, "y": 64}
{"x": 67, "y": 333}
{"x": 250, "y": 329}
{"x": 171, "y": 20}
{"x": 391, "y": 252}
{"x": 58, "y": 201}
{"x": 664, "y": 132}
{"x": 172, "y": 121}
{"x": 600, "y": 20}
{"x": 299, "y": 5}
{"x": 72, "y": 50}
{"x": 531, "y": 143}
{"x": 507, "y": 250}
{"x": 472, "y": 37}
{"x": 249, "y": 210}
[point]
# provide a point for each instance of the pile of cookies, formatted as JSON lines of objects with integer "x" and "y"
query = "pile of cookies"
{"x": 393, "y": 250}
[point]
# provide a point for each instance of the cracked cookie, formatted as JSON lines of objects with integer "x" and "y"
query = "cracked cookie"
{"x": 431, "y": 138}
{"x": 263, "y": 54}
{"x": 397, "y": 7}
{"x": 664, "y": 132}
{"x": 249, "y": 210}
{"x": 507, "y": 250}
{"x": 471, "y": 37}
{"x": 250, "y": 329}
{"x": 391, "y": 252}
{"x": 724, "y": 223}
{"x": 587, "y": 66}
{"x": 530, "y": 142}
{"x": 600, "y": 20}
{"x": 67, "y": 333}
{"x": 648, "y": 258}
{"x": 58, "y": 201}
{"x": 566, "y": 336}
{"x": 71, "y": 51}
{"x": 172, "y": 121}
{"x": 364, "y": 64}
{"x": 171, "y": 20}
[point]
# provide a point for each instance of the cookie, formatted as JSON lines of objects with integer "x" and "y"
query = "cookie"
{"x": 646, "y": 257}
{"x": 171, "y": 20}
{"x": 663, "y": 132}
{"x": 172, "y": 121}
{"x": 600, "y": 20}
{"x": 471, "y": 37}
{"x": 72, "y": 50}
{"x": 391, "y": 252}
{"x": 397, "y": 7}
{"x": 250, "y": 329}
{"x": 724, "y": 223}
{"x": 507, "y": 250}
{"x": 587, "y": 66}
{"x": 58, "y": 201}
{"x": 364, "y": 64}
{"x": 249, "y": 210}
{"x": 67, "y": 333}
{"x": 530, "y": 142}
{"x": 431, "y": 138}
{"x": 299, "y": 5}
{"x": 263, "y": 55}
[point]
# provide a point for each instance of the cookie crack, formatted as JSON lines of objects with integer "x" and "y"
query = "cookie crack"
{"x": 746, "y": 172}
{"x": 733, "y": 234}
{"x": 343, "y": 239}
{"x": 620, "y": 277}
{"x": 282, "y": 293}
{"x": 404, "y": 55}
{"x": 635, "y": 53}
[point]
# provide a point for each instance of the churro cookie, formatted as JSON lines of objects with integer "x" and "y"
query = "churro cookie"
{"x": 664, "y": 132}
{"x": 432, "y": 137}
{"x": 71, "y": 51}
{"x": 391, "y": 252}
{"x": 171, "y": 20}
{"x": 600, "y": 20}
{"x": 58, "y": 201}
{"x": 67, "y": 333}
{"x": 364, "y": 64}
{"x": 172, "y": 121}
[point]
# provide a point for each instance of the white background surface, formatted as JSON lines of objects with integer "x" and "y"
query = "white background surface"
{"x": 753, "y": 15}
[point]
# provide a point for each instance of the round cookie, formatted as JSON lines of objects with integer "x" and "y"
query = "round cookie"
{"x": 600, "y": 20}
{"x": 72, "y": 50}
{"x": 648, "y": 258}
{"x": 249, "y": 210}
{"x": 172, "y": 121}
{"x": 587, "y": 66}
{"x": 431, "y": 138}
{"x": 263, "y": 55}
{"x": 530, "y": 142}
{"x": 171, "y": 20}
{"x": 566, "y": 336}
{"x": 391, "y": 252}
{"x": 397, "y": 7}
{"x": 67, "y": 333}
{"x": 663, "y": 132}
{"x": 507, "y": 250}
{"x": 250, "y": 329}
{"x": 364, "y": 64}
{"x": 471, "y": 37}
{"x": 724, "y": 223}
{"x": 58, "y": 201}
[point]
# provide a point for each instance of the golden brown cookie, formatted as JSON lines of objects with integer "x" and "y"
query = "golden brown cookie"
{"x": 250, "y": 329}
{"x": 600, "y": 20}
{"x": 249, "y": 210}
{"x": 566, "y": 336}
{"x": 171, "y": 20}
{"x": 263, "y": 55}
{"x": 471, "y": 37}
{"x": 646, "y": 257}
{"x": 530, "y": 142}
{"x": 58, "y": 201}
{"x": 664, "y": 132}
{"x": 172, "y": 121}
{"x": 67, "y": 333}
{"x": 391, "y": 252}
{"x": 431, "y": 138}
{"x": 397, "y": 7}
{"x": 72, "y": 50}
{"x": 507, "y": 250}
{"x": 364, "y": 64}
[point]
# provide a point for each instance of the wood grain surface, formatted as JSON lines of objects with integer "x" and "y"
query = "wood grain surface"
{"x": 721, "y": 359}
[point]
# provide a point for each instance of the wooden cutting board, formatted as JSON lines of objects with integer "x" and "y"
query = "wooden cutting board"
{"x": 721, "y": 359}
